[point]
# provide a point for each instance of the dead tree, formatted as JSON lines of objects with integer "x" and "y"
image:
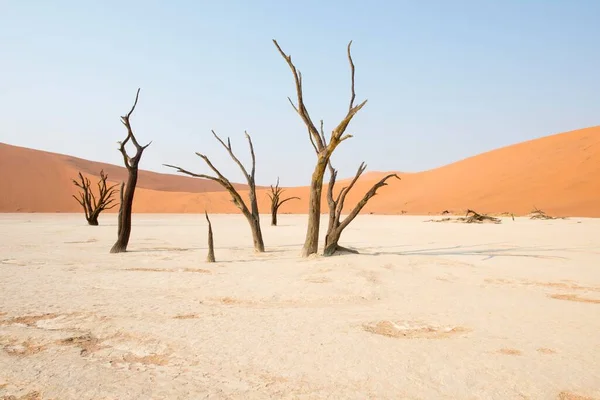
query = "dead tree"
{"x": 119, "y": 217}
{"x": 276, "y": 201}
{"x": 131, "y": 163}
{"x": 472, "y": 217}
{"x": 336, "y": 206}
{"x": 323, "y": 148}
{"x": 536, "y": 213}
{"x": 93, "y": 206}
{"x": 211, "y": 245}
{"x": 251, "y": 213}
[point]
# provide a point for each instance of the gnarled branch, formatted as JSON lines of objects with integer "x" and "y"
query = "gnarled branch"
{"x": 127, "y": 160}
{"x": 91, "y": 204}
{"x": 277, "y": 201}
{"x": 251, "y": 213}
{"x": 322, "y": 147}
{"x": 336, "y": 224}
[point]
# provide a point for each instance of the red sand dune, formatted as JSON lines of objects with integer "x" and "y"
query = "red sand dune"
{"x": 559, "y": 174}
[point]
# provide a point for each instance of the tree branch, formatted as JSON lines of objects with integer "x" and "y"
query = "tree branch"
{"x": 221, "y": 179}
{"x": 184, "y": 171}
{"x": 232, "y": 155}
{"x": 301, "y": 109}
{"x": 287, "y": 199}
{"x": 344, "y": 191}
{"x": 372, "y": 192}
{"x": 127, "y": 160}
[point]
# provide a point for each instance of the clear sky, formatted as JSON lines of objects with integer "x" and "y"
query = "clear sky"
{"x": 445, "y": 79}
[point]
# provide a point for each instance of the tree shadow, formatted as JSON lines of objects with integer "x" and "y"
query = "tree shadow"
{"x": 163, "y": 249}
{"x": 489, "y": 253}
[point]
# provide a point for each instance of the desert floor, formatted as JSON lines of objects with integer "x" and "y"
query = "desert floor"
{"x": 427, "y": 311}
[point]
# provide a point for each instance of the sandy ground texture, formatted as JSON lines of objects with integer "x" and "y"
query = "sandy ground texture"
{"x": 427, "y": 311}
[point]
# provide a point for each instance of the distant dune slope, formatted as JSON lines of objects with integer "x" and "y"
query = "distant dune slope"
{"x": 559, "y": 174}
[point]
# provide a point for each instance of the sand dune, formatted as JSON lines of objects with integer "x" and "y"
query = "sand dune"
{"x": 558, "y": 173}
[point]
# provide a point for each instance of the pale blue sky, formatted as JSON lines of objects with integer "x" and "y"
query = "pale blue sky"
{"x": 445, "y": 79}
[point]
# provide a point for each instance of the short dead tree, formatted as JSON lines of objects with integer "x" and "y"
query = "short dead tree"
{"x": 277, "y": 201}
{"x": 211, "y": 244}
{"x": 92, "y": 205}
{"x": 323, "y": 148}
{"x": 131, "y": 163}
{"x": 336, "y": 206}
{"x": 251, "y": 214}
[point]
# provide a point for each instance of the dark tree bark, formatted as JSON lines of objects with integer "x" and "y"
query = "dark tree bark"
{"x": 131, "y": 163}
{"x": 336, "y": 224}
{"x": 120, "y": 216}
{"x": 323, "y": 149}
{"x": 251, "y": 213}
{"x": 277, "y": 202}
{"x": 211, "y": 245}
{"x": 93, "y": 206}
{"x": 474, "y": 217}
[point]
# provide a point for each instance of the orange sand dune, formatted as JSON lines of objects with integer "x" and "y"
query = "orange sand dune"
{"x": 559, "y": 174}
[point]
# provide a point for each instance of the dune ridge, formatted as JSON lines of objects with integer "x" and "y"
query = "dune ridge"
{"x": 557, "y": 173}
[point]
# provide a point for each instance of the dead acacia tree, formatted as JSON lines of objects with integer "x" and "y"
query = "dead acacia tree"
{"x": 473, "y": 217}
{"x": 119, "y": 217}
{"x": 277, "y": 202}
{"x": 131, "y": 163}
{"x": 251, "y": 213}
{"x": 323, "y": 148}
{"x": 211, "y": 244}
{"x": 536, "y": 213}
{"x": 92, "y": 205}
{"x": 336, "y": 206}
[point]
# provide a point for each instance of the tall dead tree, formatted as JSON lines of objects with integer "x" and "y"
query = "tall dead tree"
{"x": 277, "y": 202}
{"x": 119, "y": 217}
{"x": 131, "y": 163}
{"x": 336, "y": 206}
{"x": 251, "y": 213}
{"x": 211, "y": 244}
{"x": 92, "y": 205}
{"x": 323, "y": 148}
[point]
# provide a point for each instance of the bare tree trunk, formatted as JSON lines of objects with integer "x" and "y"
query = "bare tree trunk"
{"x": 120, "y": 216}
{"x": 257, "y": 238}
{"x": 93, "y": 206}
{"x": 311, "y": 241}
{"x": 322, "y": 147}
{"x": 276, "y": 201}
{"x": 124, "y": 225}
{"x": 336, "y": 206}
{"x": 251, "y": 214}
{"x": 211, "y": 245}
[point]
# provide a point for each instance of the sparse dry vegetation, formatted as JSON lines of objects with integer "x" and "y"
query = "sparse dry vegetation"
{"x": 471, "y": 217}
{"x": 277, "y": 201}
{"x": 251, "y": 213}
{"x": 536, "y": 213}
{"x": 92, "y": 205}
